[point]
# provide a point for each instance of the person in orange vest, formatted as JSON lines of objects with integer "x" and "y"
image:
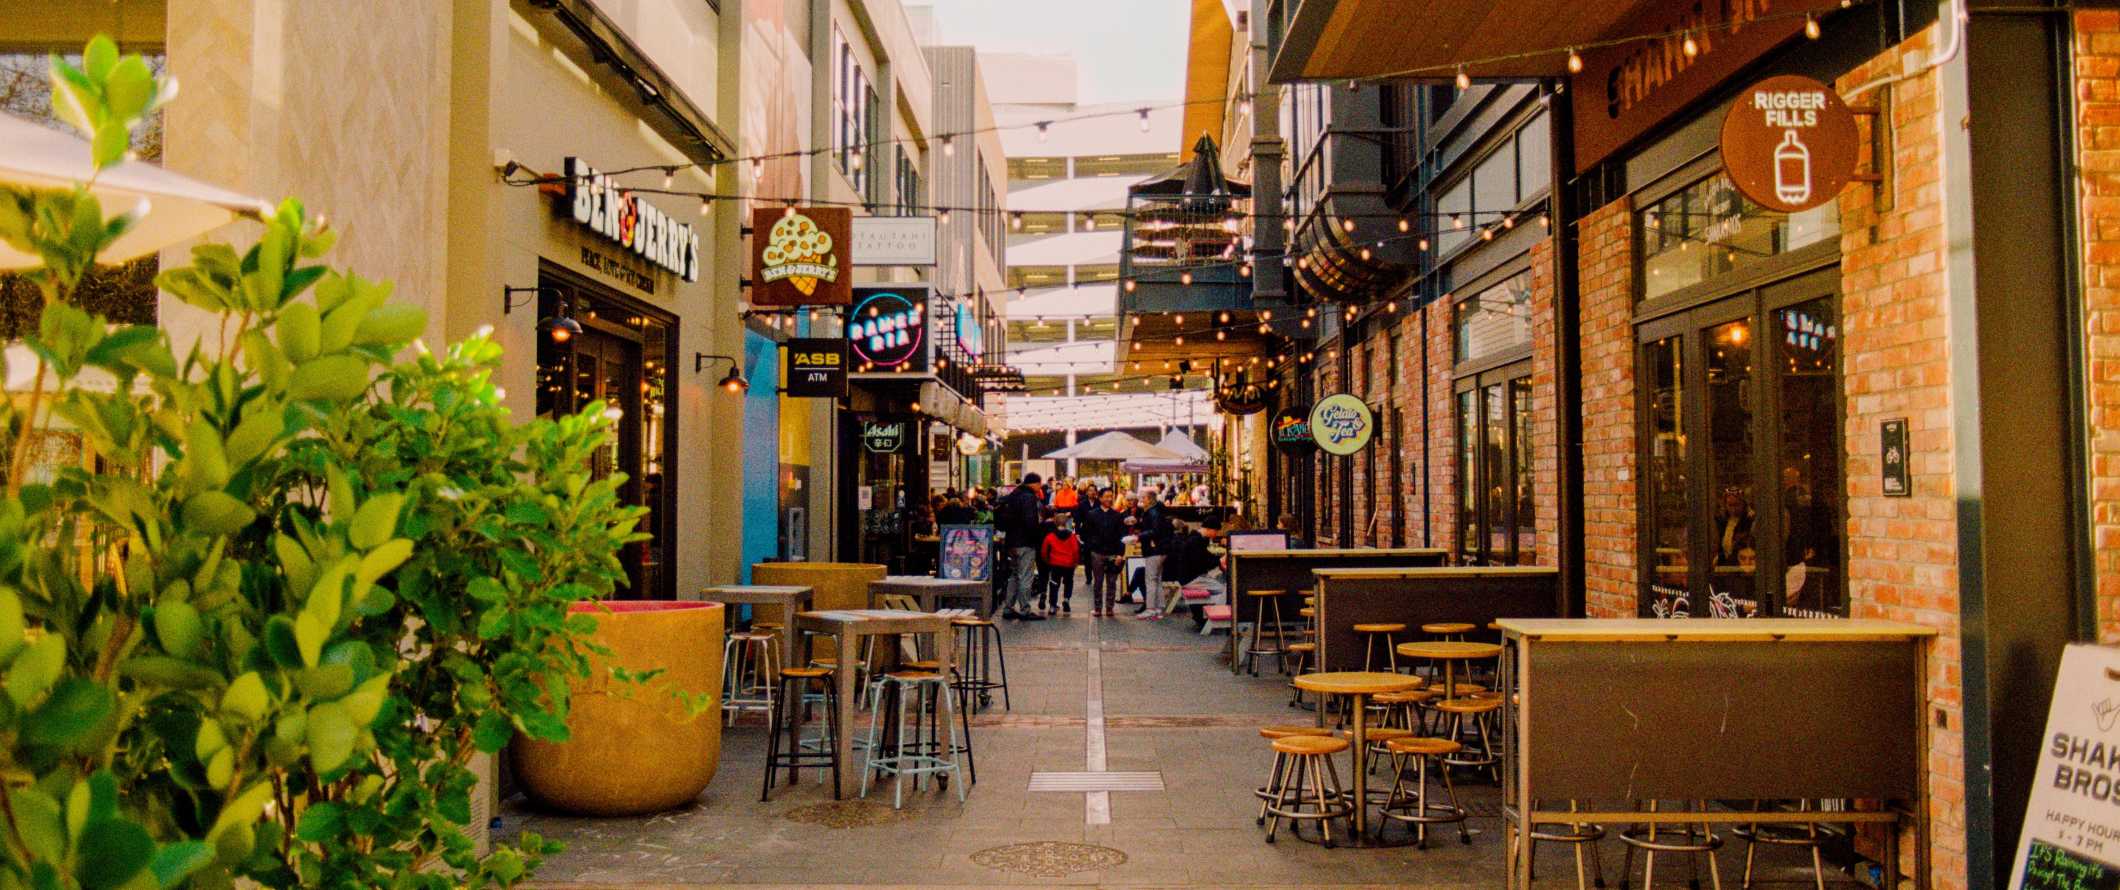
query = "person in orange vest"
{"x": 1060, "y": 553}
{"x": 1064, "y": 495}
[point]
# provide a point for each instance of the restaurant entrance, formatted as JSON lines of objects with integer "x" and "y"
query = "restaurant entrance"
{"x": 621, "y": 357}
{"x": 1742, "y": 482}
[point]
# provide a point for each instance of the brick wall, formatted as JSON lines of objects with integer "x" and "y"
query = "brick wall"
{"x": 2098, "y": 188}
{"x": 1442, "y": 494}
{"x": 1545, "y": 466}
{"x": 1902, "y": 552}
{"x": 1606, "y": 266}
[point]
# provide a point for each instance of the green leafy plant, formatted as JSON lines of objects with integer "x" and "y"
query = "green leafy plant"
{"x": 295, "y": 585}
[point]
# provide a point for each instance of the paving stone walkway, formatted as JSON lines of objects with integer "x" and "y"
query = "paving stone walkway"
{"x": 1168, "y": 705}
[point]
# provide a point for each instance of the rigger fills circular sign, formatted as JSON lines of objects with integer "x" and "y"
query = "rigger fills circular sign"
{"x": 1789, "y": 143}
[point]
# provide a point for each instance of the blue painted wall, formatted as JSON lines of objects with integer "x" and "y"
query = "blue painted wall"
{"x": 761, "y": 452}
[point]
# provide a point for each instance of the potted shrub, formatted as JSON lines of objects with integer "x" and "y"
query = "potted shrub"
{"x": 315, "y": 570}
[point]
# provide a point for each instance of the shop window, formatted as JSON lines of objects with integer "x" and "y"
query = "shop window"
{"x": 1534, "y": 157}
{"x": 1740, "y": 450}
{"x": 1456, "y": 205}
{"x": 1105, "y": 328}
{"x": 1708, "y": 229}
{"x": 1036, "y": 331}
{"x": 1495, "y": 486}
{"x": 1495, "y": 321}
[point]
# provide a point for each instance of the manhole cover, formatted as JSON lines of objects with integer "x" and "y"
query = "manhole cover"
{"x": 1049, "y": 859}
{"x": 845, "y": 814}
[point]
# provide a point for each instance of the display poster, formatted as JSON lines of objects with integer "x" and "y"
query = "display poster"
{"x": 967, "y": 552}
{"x": 1291, "y": 431}
{"x": 2071, "y": 836}
{"x": 887, "y": 329}
{"x": 1892, "y": 456}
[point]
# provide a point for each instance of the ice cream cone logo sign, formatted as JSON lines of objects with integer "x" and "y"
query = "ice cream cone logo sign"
{"x": 799, "y": 256}
{"x": 1789, "y": 143}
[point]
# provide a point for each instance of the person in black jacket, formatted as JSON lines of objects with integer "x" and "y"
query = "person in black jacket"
{"x": 1017, "y": 517}
{"x": 1103, "y": 529}
{"x": 1152, "y": 526}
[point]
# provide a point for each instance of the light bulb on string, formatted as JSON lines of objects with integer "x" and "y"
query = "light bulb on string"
{"x": 1043, "y": 126}
{"x": 1347, "y": 225}
{"x": 758, "y": 168}
{"x": 1810, "y": 26}
{"x": 1220, "y": 335}
{"x": 1144, "y": 120}
{"x": 1185, "y": 277}
{"x": 1245, "y": 269}
{"x": 705, "y": 204}
{"x": 1464, "y": 81}
{"x": 1015, "y": 220}
{"x": 1575, "y": 62}
{"x": 943, "y": 217}
{"x": 669, "y": 177}
{"x": 1690, "y": 46}
{"x": 1424, "y": 244}
{"x": 1225, "y": 317}
{"x": 1405, "y": 225}
{"x": 949, "y": 147}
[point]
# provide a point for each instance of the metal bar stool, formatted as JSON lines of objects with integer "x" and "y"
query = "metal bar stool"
{"x": 1414, "y": 809}
{"x": 1651, "y": 840}
{"x": 980, "y": 647}
{"x": 1265, "y": 601}
{"x": 1581, "y": 836}
{"x": 915, "y": 756}
{"x": 1277, "y": 780}
{"x": 1459, "y": 710}
{"x": 1370, "y": 634}
{"x": 790, "y": 712}
{"x": 750, "y": 660}
{"x": 1783, "y": 836}
{"x": 1311, "y": 758}
{"x": 933, "y": 742}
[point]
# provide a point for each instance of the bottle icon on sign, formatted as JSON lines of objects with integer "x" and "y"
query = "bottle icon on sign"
{"x": 1792, "y": 169}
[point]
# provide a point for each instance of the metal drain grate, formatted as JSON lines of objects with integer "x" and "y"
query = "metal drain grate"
{"x": 1081, "y": 782}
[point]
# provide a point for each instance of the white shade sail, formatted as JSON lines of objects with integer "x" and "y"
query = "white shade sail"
{"x": 1114, "y": 445}
{"x": 173, "y": 208}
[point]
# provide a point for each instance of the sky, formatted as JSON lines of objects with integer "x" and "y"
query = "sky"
{"x": 1123, "y": 49}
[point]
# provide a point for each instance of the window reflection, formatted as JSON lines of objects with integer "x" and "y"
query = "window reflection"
{"x": 1807, "y": 350}
{"x": 1669, "y": 527}
{"x": 1709, "y": 229}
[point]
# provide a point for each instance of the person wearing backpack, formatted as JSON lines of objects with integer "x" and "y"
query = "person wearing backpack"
{"x": 1017, "y": 517}
{"x": 1061, "y": 553}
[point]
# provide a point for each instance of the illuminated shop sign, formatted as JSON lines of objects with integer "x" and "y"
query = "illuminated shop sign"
{"x": 888, "y": 327}
{"x": 636, "y": 225}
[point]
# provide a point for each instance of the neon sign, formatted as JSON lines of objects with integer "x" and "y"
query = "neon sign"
{"x": 887, "y": 329}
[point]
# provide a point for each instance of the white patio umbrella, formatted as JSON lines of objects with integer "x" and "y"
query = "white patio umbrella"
{"x": 173, "y": 208}
{"x": 1114, "y": 445}
{"x": 1183, "y": 445}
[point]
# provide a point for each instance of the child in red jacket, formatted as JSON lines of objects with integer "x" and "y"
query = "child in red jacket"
{"x": 1059, "y": 554}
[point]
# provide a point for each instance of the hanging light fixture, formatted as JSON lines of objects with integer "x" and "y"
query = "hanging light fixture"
{"x": 1810, "y": 26}
{"x": 1690, "y": 46}
{"x": 1043, "y": 126}
{"x": 1144, "y": 120}
{"x": 1464, "y": 81}
{"x": 1575, "y": 62}
{"x": 949, "y": 147}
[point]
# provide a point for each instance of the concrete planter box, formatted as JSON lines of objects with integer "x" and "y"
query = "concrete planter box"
{"x": 636, "y": 748}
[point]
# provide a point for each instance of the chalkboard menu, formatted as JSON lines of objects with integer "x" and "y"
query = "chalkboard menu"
{"x": 2048, "y": 867}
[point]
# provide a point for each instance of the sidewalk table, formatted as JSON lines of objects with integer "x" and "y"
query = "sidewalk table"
{"x": 1358, "y": 686}
{"x": 932, "y": 591}
{"x": 791, "y": 598}
{"x": 1449, "y": 653}
{"x": 847, "y": 626}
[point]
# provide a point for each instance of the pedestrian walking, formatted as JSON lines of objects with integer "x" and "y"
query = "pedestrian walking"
{"x": 1061, "y": 553}
{"x": 1152, "y": 528}
{"x": 1016, "y": 517}
{"x": 1103, "y": 533}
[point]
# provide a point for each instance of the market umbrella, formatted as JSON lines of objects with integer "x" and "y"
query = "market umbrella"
{"x": 1183, "y": 445}
{"x": 1178, "y": 466}
{"x": 1114, "y": 445}
{"x": 172, "y": 208}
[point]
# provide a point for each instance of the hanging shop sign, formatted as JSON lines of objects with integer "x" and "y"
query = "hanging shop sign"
{"x": 817, "y": 367}
{"x": 971, "y": 338}
{"x": 888, "y": 328}
{"x": 598, "y": 202}
{"x": 799, "y": 256}
{"x": 1630, "y": 87}
{"x": 1291, "y": 431}
{"x": 1341, "y": 424}
{"x": 894, "y": 241}
{"x": 883, "y": 436}
{"x": 2070, "y": 825}
{"x": 1789, "y": 143}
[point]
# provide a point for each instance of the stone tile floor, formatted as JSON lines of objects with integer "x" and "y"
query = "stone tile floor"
{"x": 1170, "y": 704}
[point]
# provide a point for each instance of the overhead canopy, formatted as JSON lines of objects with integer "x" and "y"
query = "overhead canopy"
{"x": 1182, "y": 444}
{"x": 1163, "y": 466}
{"x": 1114, "y": 445}
{"x": 174, "y": 208}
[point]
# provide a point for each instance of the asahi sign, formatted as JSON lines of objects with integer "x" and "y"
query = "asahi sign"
{"x": 1789, "y": 143}
{"x": 883, "y": 436}
{"x": 607, "y": 209}
{"x": 799, "y": 256}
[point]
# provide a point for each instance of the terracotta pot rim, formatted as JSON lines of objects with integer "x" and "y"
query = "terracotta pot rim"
{"x": 625, "y": 607}
{"x": 822, "y": 565}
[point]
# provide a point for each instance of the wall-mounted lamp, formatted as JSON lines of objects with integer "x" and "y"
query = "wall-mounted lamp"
{"x": 732, "y": 381}
{"x": 559, "y": 327}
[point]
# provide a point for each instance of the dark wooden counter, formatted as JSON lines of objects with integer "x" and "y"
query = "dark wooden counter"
{"x": 1289, "y": 570}
{"x": 1475, "y": 595}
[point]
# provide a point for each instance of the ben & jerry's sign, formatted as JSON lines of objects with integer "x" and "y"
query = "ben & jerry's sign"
{"x": 636, "y": 225}
{"x": 798, "y": 256}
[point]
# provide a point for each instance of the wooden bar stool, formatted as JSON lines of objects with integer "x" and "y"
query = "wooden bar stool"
{"x": 1476, "y": 710}
{"x": 980, "y": 647}
{"x": 1448, "y": 630}
{"x": 1300, "y": 655}
{"x": 1783, "y": 836}
{"x": 1581, "y": 836}
{"x": 790, "y": 712}
{"x": 1312, "y": 761}
{"x": 1389, "y": 633}
{"x": 1265, "y": 602}
{"x": 1277, "y": 779}
{"x": 1414, "y": 809}
{"x": 1653, "y": 838}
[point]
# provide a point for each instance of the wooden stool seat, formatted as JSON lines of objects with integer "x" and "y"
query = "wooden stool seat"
{"x": 1409, "y": 697}
{"x": 1421, "y": 745}
{"x": 1381, "y": 734}
{"x": 1302, "y": 647}
{"x": 1281, "y": 732}
{"x": 971, "y": 621}
{"x": 917, "y": 676}
{"x": 1307, "y": 612}
{"x": 805, "y": 673}
{"x": 1310, "y": 601}
{"x": 1469, "y": 706}
{"x": 1301, "y": 745}
{"x": 1447, "y": 627}
{"x": 1382, "y": 628}
{"x": 923, "y": 664}
{"x": 1263, "y": 593}
{"x": 1465, "y": 690}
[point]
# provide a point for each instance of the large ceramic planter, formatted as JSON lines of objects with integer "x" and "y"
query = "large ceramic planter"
{"x": 636, "y": 748}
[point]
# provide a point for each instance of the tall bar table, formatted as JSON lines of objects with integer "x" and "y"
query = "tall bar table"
{"x": 847, "y": 626}
{"x": 932, "y": 591}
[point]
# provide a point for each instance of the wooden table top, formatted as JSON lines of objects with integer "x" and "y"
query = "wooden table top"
{"x": 1448, "y": 650}
{"x": 756, "y": 593}
{"x": 873, "y": 621}
{"x": 1659, "y": 630}
{"x": 926, "y": 581}
{"x": 1389, "y": 572}
{"x": 1356, "y": 682}
{"x": 1329, "y": 552}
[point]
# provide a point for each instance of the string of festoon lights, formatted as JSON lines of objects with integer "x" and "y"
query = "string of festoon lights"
{"x": 1459, "y": 73}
